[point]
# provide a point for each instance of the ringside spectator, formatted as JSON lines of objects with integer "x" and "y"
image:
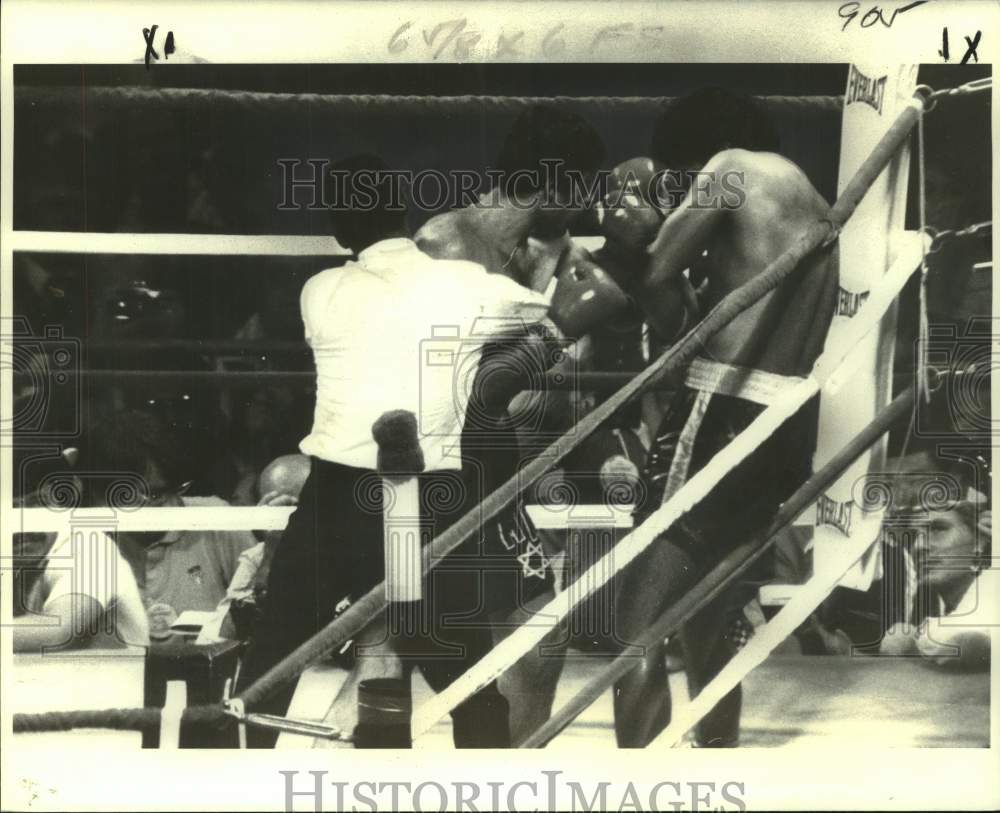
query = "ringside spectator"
{"x": 176, "y": 570}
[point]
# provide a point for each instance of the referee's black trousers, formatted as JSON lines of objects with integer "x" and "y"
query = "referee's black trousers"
{"x": 332, "y": 548}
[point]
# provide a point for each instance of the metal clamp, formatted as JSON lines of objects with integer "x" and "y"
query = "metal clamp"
{"x": 938, "y": 237}
{"x": 235, "y": 707}
{"x": 306, "y": 728}
{"x": 928, "y": 96}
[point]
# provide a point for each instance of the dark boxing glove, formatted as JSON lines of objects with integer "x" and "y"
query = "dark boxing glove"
{"x": 586, "y": 297}
{"x": 508, "y": 366}
{"x": 627, "y": 214}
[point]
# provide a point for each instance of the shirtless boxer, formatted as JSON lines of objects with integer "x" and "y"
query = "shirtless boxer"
{"x": 520, "y": 230}
{"x": 534, "y": 197}
{"x": 717, "y": 132}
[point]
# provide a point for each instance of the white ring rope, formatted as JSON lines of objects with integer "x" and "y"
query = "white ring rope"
{"x": 833, "y": 365}
{"x": 260, "y": 518}
{"x": 260, "y": 245}
{"x": 263, "y": 245}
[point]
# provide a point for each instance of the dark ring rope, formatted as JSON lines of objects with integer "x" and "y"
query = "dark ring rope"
{"x": 242, "y": 378}
{"x": 146, "y": 719}
{"x": 219, "y": 99}
{"x": 234, "y": 379}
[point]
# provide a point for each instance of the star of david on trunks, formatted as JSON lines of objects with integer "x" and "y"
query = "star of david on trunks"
{"x": 533, "y": 549}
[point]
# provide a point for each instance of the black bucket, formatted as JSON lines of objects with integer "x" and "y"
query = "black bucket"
{"x": 385, "y": 707}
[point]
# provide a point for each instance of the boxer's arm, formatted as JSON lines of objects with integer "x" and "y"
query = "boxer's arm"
{"x": 685, "y": 233}
{"x": 666, "y": 295}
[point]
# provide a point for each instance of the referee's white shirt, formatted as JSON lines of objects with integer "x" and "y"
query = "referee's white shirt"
{"x": 399, "y": 329}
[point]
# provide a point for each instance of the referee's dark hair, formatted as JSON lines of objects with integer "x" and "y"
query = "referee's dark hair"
{"x": 366, "y": 203}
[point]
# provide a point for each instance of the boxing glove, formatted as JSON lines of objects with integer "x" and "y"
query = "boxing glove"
{"x": 641, "y": 176}
{"x": 627, "y": 215}
{"x": 586, "y": 297}
{"x": 630, "y": 272}
{"x": 510, "y": 365}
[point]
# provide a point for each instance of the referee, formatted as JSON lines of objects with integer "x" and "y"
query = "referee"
{"x": 369, "y": 324}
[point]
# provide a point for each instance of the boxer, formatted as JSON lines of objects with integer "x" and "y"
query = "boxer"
{"x": 520, "y": 231}
{"x": 726, "y": 242}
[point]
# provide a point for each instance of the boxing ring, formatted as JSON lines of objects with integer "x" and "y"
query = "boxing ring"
{"x": 836, "y": 365}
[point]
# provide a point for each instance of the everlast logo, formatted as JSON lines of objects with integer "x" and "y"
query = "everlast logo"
{"x": 848, "y": 302}
{"x": 837, "y": 514}
{"x": 861, "y": 88}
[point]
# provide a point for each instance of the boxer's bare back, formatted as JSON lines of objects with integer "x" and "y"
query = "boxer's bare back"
{"x": 729, "y": 245}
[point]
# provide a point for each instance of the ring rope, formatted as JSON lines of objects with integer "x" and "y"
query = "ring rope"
{"x": 670, "y": 363}
{"x": 975, "y": 86}
{"x": 256, "y": 245}
{"x": 595, "y": 380}
{"x": 139, "y": 719}
{"x": 940, "y": 237}
{"x": 724, "y": 573}
{"x": 225, "y": 378}
{"x": 213, "y": 99}
{"x": 198, "y": 99}
{"x": 128, "y": 515}
{"x": 923, "y": 325}
{"x": 836, "y": 361}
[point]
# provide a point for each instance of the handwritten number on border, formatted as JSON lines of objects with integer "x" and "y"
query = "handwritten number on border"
{"x": 875, "y": 14}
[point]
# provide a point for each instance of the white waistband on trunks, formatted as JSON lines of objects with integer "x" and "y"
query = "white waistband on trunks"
{"x": 710, "y": 378}
{"x": 747, "y": 383}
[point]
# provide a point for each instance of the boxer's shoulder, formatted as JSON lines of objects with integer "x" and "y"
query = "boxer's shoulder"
{"x": 767, "y": 181}
{"x": 762, "y": 169}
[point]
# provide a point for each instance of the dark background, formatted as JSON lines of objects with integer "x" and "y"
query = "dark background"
{"x": 82, "y": 165}
{"x": 116, "y": 154}
{"x": 94, "y": 166}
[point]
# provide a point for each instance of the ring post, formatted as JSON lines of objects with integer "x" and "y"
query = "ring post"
{"x": 384, "y": 704}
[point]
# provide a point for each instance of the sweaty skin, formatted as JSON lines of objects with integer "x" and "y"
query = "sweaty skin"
{"x": 496, "y": 234}
{"x": 729, "y": 246}
{"x": 779, "y": 203}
